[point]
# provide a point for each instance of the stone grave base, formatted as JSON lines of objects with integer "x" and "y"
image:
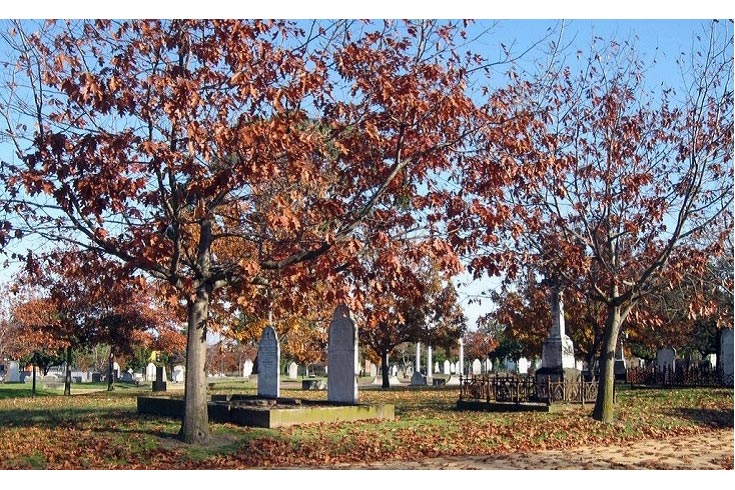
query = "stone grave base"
{"x": 269, "y": 413}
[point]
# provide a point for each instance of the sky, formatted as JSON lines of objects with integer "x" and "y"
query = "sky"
{"x": 664, "y": 38}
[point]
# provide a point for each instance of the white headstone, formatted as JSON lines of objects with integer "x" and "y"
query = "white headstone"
{"x": 394, "y": 370}
{"x": 342, "y": 357}
{"x": 116, "y": 370}
{"x": 269, "y": 360}
{"x": 446, "y": 369}
{"x": 373, "y": 370}
{"x": 488, "y": 365}
{"x": 13, "y": 372}
{"x": 178, "y": 374}
{"x": 437, "y": 369}
{"x": 510, "y": 365}
{"x": 453, "y": 367}
{"x": 150, "y": 372}
{"x": 522, "y": 365}
{"x": 247, "y": 368}
{"x": 726, "y": 355}
{"x": 558, "y": 349}
{"x": 665, "y": 359}
{"x": 476, "y": 367}
{"x": 293, "y": 370}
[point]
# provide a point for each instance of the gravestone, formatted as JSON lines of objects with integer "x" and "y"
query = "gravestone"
{"x": 97, "y": 377}
{"x": 488, "y": 365}
{"x": 293, "y": 370}
{"x": 116, "y": 371}
{"x": 409, "y": 371}
{"x": 522, "y": 365}
{"x": 711, "y": 360}
{"x": 269, "y": 360}
{"x": 619, "y": 367}
{"x": 510, "y": 365}
{"x": 150, "y": 372}
{"x": 557, "y": 356}
{"x": 436, "y": 367}
{"x": 247, "y": 368}
{"x": 446, "y": 369}
{"x": 342, "y": 357}
{"x": 177, "y": 376}
{"x": 373, "y": 370}
{"x": 394, "y": 370}
{"x": 665, "y": 359}
{"x": 726, "y": 357}
{"x": 13, "y": 372}
{"x": 453, "y": 367}
{"x": 160, "y": 382}
{"x": 418, "y": 379}
{"x": 127, "y": 377}
{"x": 476, "y": 367}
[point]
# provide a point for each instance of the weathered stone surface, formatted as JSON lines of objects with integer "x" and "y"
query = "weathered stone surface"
{"x": 447, "y": 367}
{"x": 418, "y": 379}
{"x": 476, "y": 367}
{"x": 342, "y": 357}
{"x": 665, "y": 359}
{"x": 269, "y": 360}
{"x": 558, "y": 349}
{"x": 150, "y": 372}
{"x": 13, "y": 372}
{"x": 293, "y": 370}
{"x": 726, "y": 355}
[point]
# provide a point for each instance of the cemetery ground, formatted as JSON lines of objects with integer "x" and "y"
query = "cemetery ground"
{"x": 655, "y": 429}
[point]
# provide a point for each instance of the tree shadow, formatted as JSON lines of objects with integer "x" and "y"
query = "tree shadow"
{"x": 710, "y": 417}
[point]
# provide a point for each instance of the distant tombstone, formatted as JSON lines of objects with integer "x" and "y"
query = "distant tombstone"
{"x": 436, "y": 367}
{"x": 394, "y": 370}
{"x": 409, "y": 371}
{"x": 665, "y": 359}
{"x": 269, "y": 359}
{"x": 580, "y": 365}
{"x": 150, "y": 372}
{"x": 418, "y": 379}
{"x": 247, "y": 368}
{"x": 342, "y": 357}
{"x": 13, "y": 372}
{"x": 97, "y": 377}
{"x": 160, "y": 382}
{"x": 523, "y": 365}
{"x": 177, "y": 376}
{"x": 446, "y": 369}
{"x": 476, "y": 367}
{"x": 510, "y": 365}
{"x": 726, "y": 356}
{"x": 537, "y": 363}
{"x": 116, "y": 370}
{"x": 711, "y": 360}
{"x": 488, "y": 365}
{"x": 293, "y": 370}
{"x": 453, "y": 367}
{"x": 373, "y": 370}
{"x": 127, "y": 377}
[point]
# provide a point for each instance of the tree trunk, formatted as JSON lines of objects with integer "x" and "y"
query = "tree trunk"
{"x": 195, "y": 426}
{"x": 33, "y": 389}
{"x": 110, "y": 373}
{"x": 384, "y": 369}
{"x": 604, "y": 405}
{"x": 67, "y": 377}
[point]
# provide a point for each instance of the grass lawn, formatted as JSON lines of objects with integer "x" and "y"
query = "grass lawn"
{"x": 101, "y": 430}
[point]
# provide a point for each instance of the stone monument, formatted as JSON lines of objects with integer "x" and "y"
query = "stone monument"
{"x": 557, "y": 357}
{"x": 160, "y": 382}
{"x": 476, "y": 367}
{"x": 725, "y": 357}
{"x": 150, "y": 372}
{"x": 342, "y": 357}
{"x": 417, "y": 378}
{"x": 13, "y": 372}
{"x": 247, "y": 368}
{"x": 293, "y": 370}
{"x": 665, "y": 359}
{"x": 269, "y": 360}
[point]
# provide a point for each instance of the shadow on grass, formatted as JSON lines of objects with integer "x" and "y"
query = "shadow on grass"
{"x": 719, "y": 419}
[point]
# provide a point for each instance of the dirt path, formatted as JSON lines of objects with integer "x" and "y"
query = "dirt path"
{"x": 710, "y": 451}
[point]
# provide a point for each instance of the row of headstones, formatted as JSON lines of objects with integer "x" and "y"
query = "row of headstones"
{"x": 666, "y": 360}
{"x": 342, "y": 367}
{"x": 15, "y": 375}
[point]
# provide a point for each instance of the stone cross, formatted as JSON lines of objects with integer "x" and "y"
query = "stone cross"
{"x": 269, "y": 360}
{"x": 342, "y": 357}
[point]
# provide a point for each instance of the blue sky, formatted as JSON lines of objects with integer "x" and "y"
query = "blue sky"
{"x": 668, "y": 37}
